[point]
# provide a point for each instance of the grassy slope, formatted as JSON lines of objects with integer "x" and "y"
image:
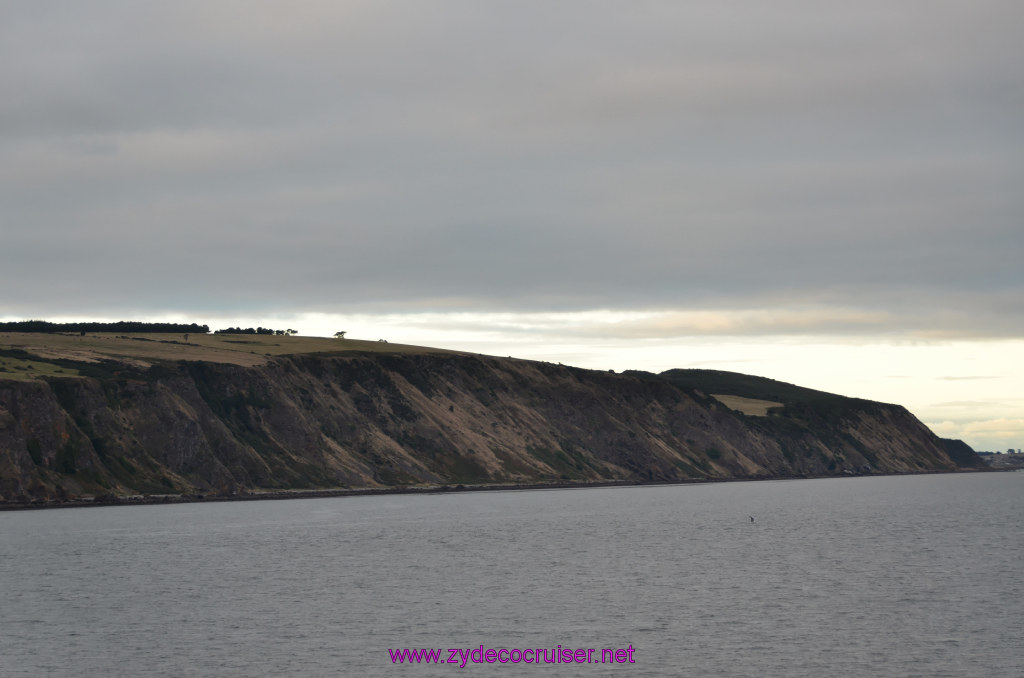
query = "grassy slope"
{"x": 24, "y": 355}
{"x": 19, "y": 366}
{"x": 749, "y": 406}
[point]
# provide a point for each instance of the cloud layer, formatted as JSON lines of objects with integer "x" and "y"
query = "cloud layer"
{"x": 823, "y": 166}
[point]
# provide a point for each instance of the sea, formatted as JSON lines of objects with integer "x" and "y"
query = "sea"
{"x": 873, "y": 577}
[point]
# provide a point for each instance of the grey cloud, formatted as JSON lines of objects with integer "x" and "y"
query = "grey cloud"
{"x": 517, "y": 156}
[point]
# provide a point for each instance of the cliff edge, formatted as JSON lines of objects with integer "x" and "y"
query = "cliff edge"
{"x": 367, "y": 420}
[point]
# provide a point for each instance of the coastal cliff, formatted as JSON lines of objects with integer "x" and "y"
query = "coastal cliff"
{"x": 362, "y": 420}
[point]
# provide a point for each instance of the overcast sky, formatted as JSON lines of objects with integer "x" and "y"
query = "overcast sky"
{"x": 610, "y": 184}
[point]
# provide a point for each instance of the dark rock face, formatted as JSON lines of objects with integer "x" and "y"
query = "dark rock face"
{"x": 961, "y": 453}
{"x": 371, "y": 421}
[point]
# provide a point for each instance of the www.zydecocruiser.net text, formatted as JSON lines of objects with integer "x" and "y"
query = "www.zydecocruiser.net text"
{"x": 479, "y": 655}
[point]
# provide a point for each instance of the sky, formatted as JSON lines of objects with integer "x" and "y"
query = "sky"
{"x": 825, "y": 192}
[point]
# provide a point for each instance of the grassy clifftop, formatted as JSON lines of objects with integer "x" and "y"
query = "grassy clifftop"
{"x": 69, "y": 351}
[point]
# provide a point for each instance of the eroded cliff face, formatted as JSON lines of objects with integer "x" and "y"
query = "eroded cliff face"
{"x": 370, "y": 421}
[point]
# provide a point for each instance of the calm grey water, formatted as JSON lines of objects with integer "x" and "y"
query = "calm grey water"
{"x": 887, "y": 577}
